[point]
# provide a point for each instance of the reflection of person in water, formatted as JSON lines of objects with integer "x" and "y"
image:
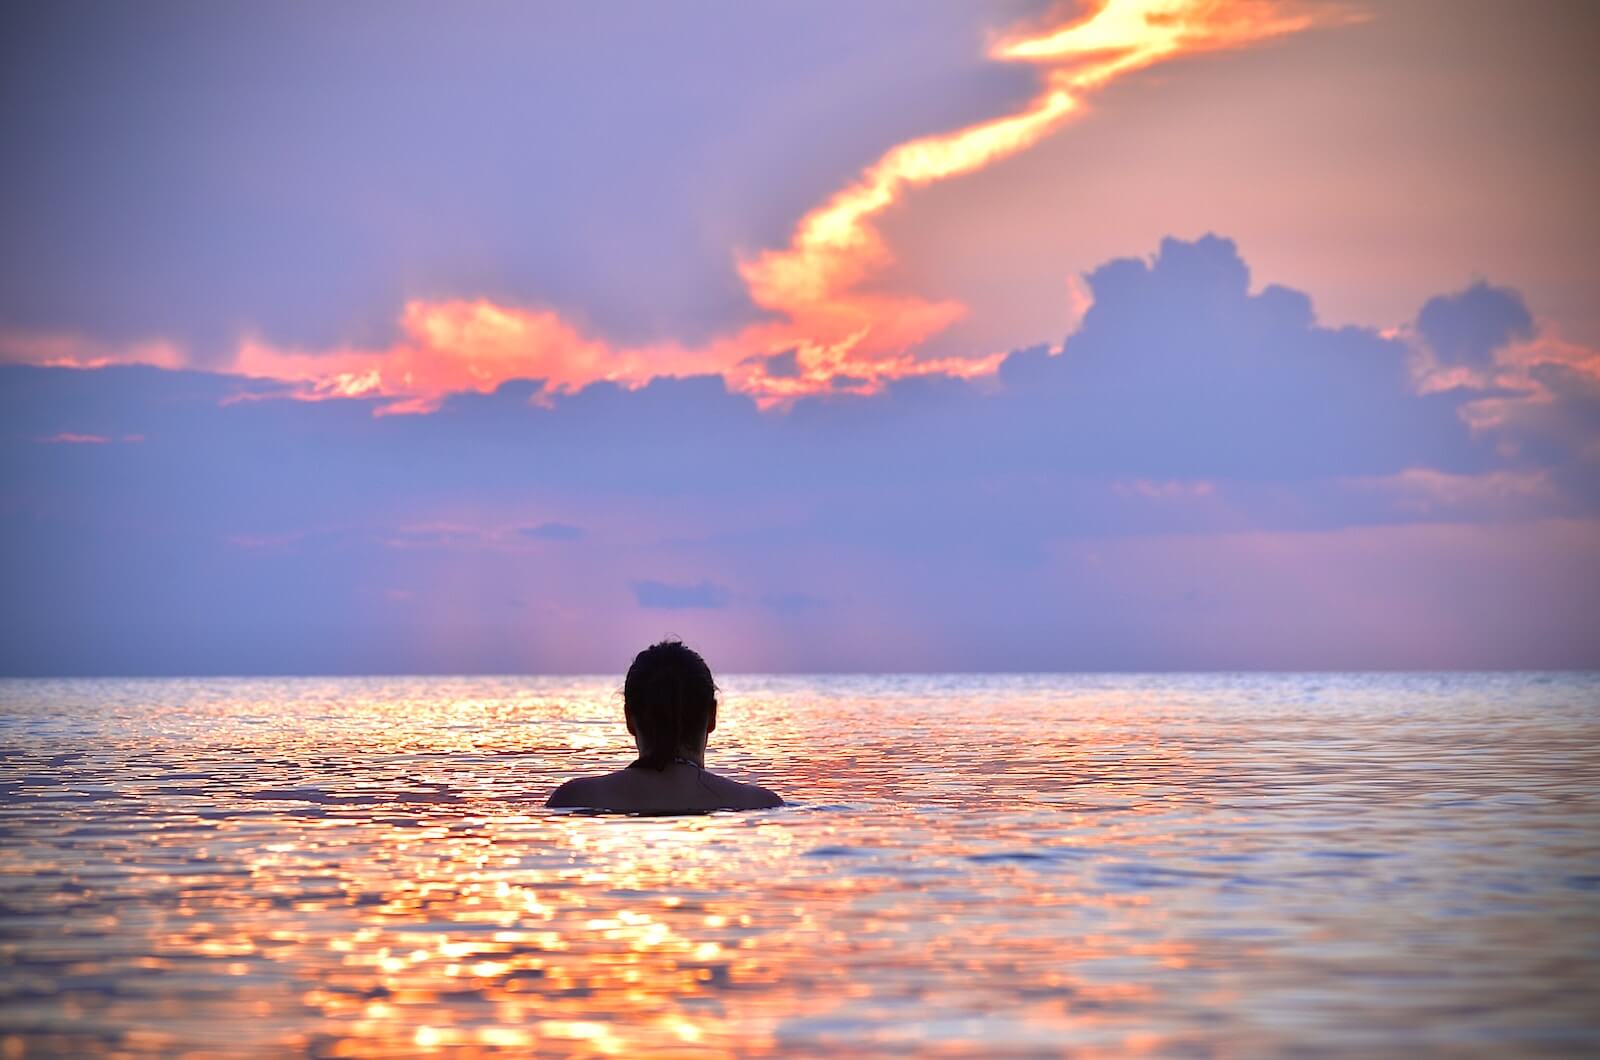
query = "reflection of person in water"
{"x": 670, "y": 704}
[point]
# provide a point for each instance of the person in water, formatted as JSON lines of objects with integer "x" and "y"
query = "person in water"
{"x": 670, "y": 704}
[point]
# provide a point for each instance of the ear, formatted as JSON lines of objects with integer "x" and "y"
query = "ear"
{"x": 627, "y": 716}
{"x": 711, "y": 719}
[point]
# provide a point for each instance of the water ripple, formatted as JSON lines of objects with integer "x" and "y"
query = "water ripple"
{"x": 1025, "y": 864}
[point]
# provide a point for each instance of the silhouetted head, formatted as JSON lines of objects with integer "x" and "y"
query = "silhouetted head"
{"x": 670, "y": 702}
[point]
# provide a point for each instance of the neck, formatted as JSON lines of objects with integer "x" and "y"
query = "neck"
{"x": 687, "y": 758}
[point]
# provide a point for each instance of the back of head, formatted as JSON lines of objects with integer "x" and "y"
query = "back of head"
{"x": 670, "y": 695}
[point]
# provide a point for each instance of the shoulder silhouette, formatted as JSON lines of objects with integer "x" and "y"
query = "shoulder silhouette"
{"x": 670, "y": 708}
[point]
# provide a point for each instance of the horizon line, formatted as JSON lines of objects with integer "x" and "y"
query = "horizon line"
{"x": 1175, "y": 672}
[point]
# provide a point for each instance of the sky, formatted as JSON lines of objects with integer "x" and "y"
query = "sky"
{"x": 913, "y": 335}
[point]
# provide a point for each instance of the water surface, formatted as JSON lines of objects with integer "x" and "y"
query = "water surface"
{"x": 1017, "y": 865}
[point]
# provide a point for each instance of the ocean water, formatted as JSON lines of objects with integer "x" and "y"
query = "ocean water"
{"x": 987, "y": 865}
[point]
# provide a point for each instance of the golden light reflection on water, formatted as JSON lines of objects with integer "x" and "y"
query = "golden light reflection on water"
{"x": 972, "y": 865}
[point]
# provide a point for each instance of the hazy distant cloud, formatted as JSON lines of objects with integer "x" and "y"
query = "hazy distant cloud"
{"x": 1467, "y": 328}
{"x": 664, "y": 596}
{"x": 792, "y": 603}
{"x": 70, "y": 438}
{"x": 433, "y": 537}
{"x": 552, "y": 532}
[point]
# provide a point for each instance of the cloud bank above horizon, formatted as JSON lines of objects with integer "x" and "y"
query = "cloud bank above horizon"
{"x": 1200, "y": 476}
{"x": 807, "y": 334}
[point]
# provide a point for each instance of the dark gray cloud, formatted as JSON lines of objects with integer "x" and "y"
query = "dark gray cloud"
{"x": 1469, "y": 326}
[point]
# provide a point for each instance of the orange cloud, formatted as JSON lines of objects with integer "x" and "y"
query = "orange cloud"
{"x": 1512, "y": 378}
{"x": 834, "y": 247}
{"x": 815, "y": 283}
{"x": 844, "y": 334}
{"x": 463, "y": 345}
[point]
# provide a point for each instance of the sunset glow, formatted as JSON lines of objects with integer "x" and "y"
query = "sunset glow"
{"x": 916, "y": 528}
{"x": 846, "y": 342}
{"x": 845, "y": 334}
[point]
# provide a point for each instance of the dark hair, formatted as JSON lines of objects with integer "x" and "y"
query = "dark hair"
{"x": 670, "y": 695}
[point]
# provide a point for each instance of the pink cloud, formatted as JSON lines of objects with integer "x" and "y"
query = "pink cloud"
{"x": 56, "y": 350}
{"x": 72, "y": 438}
{"x": 1514, "y": 368}
{"x": 1164, "y": 490}
{"x": 818, "y": 289}
{"x": 1425, "y": 490}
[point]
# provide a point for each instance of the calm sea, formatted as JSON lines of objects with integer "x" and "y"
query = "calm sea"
{"x": 1016, "y": 865}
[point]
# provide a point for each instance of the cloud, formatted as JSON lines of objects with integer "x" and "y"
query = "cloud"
{"x": 56, "y": 349}
{"x": 1530, "y": 393}
{"x": 664, "y": 596}
{"x": 1193, "y": 426}
{"x": 824, "y": 317}
{"x": 1158, "y": 490}
{"x": 785, "y": 365}
{"x": 481, "y": 132}
{"x": 72, "y": 438}
{"x": 435, "y": 537}
{"x": 792, "y": 603}
{"x": 1180, "y": 383}
{"x": 819, "y": 281}
{"x": 1179, "y": 371}
{"x": 1468, "y": 327}
{"x": 553, "y": 532}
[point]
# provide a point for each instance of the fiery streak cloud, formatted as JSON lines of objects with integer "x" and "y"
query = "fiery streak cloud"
{"x": 844, "y": 335}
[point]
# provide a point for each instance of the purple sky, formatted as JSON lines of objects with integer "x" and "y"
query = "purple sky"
{"x": 491, "y": 338}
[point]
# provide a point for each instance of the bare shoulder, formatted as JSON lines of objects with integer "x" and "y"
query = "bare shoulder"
{"x": 628, "y": 791}
{"x": 579, "y": 791}
{"x": 741, "y": 796}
